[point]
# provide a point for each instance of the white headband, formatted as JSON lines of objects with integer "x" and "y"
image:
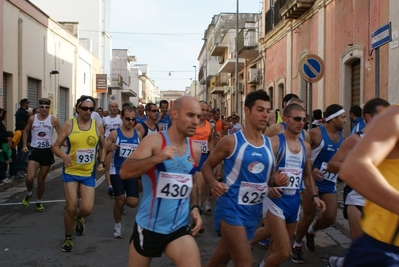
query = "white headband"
{"x": 334, "y": 115}
{"x": 87, "y": 100}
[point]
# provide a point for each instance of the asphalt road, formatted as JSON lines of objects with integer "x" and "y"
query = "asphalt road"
{"x": 30, "y": 238}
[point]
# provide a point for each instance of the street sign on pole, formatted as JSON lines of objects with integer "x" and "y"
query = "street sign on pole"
{"x": 381, "y": 36}
{"x": 311, "y": 68}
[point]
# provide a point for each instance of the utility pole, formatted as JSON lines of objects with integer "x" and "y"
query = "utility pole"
{"x": 195, "y": 81}
{"x": 236, "y": 66}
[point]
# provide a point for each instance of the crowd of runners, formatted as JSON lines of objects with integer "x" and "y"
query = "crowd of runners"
{"x": 170, "y": 161}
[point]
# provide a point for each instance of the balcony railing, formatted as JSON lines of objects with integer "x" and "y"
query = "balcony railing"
{"x": 293, "y": 9}
{"x": 219, "y": 80}
{"x": 247, "y": 43}
{"x": 273, "y": 16}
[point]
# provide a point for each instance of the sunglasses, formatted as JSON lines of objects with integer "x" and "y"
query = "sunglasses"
{"x": 130, "y": 119}
{"x": 46, "y": 107}
{"x": 87, "y": 108}
{"x": 299, "y": 118}
{"x": 154, "y": 110}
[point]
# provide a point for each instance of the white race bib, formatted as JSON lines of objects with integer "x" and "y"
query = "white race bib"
{"x": 203, "y": 144}
{"x": 332, "y": 177}
{"x": 174, "y": 185}
{"x": 163, "y": 125}
{"x": 84, "y": 156}
{"x": 42, "y": 142}
{"x": 294, "y": 176}
{"x": 252, "y": 193}
{"x": 126, "y": 149}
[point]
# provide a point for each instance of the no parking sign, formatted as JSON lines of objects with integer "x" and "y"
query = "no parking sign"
{"x": 311, "y": 68}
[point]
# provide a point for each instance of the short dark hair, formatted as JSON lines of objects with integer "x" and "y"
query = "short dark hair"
{"x": 9, "y": 134}
{"x": 164, "y": 102}
{"x": 289, "y": 108}
{"x": 127, "y": 109}
{"x": 215, "y": 110}
{"x": 371, "y": 105}
{"x": 148, "y": 106}
{"x": 127, "y": 104}
{"x": 256, "y": 95}
{"x": 317, "y": 114}
{"x": 23, "y": 101}
{"x": 83, "y": 98}
{"x": 288, "y": 97}
{"x": 356, "y": 110}
{"x": 331, "y": 109}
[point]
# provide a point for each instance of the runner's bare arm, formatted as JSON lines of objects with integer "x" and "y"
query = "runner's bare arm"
{"x": 62, "y": 136}
{"x": 102, "y": 149}
{"x": 25, "y": 134}
{"x": 336, "y": 161}
{"x": 110, "y": 143}
{"x": 273, "y": 130}
{"x": 146, "y": 156}
{"x": 359, "y": 168}
{"x": 222, "y": 150}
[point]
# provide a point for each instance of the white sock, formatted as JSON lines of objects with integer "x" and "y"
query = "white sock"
{"x": 118, "y": 225}
{"x": 298, "y": 245}
{"x": 311, "y": 230}
{"x": 261, "y": 264}
{"x": 30, "y": 193}
{"x": 38, "y": 201}
{"x": 340, "y": 262}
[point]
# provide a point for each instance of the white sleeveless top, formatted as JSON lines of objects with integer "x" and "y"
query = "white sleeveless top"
{"x": 42, "y": 133}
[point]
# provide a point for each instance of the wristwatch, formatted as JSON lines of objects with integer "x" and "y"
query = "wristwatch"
{"x": 103, "y": 163}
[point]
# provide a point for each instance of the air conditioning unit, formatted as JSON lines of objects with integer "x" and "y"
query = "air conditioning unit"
{"x": 253, "y": 76}
{"x": 240, "y": 87}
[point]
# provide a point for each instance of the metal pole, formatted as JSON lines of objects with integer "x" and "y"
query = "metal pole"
{"x": 377, "y": 72}
{"x": 195, "y": 82}
{"x": 236, "y": 66}
{"x": 310, "y": 105}
{"x": 206, "y": 70}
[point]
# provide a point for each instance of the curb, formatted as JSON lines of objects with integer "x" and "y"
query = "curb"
{"x": 15, "y": 182}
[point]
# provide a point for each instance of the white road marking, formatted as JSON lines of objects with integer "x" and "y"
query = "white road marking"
{"x": 98, "y": 182}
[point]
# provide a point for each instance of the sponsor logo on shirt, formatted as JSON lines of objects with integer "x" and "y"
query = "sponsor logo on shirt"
{"x": 256, "y": 167}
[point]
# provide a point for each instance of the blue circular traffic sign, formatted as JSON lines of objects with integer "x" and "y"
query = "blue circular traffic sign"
{"x": 311, "y": 68}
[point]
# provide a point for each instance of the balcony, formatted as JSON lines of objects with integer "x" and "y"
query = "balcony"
{"x": 218, "y": 82}
{"x": 128, "y": 92}
{"x": 218, "y": 49}
{"x": 229, "y": 65}
{"x": 247, "y": 43}
{"x": 293, "y": 9}
{"x": 116, "y": 82}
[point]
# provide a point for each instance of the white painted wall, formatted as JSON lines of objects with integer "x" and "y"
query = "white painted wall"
{"x": 393, "y": 77}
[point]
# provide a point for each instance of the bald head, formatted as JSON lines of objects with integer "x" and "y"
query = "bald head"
{"x": 184, "y": 100}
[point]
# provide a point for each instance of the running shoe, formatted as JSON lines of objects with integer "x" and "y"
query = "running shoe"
{"x": 39, "y": 207}
{"x": 67, "y": 245}
{"x": 110, "y": 191}
{"x": 118, "y": 230}
{"x": 79, "y": 226}
{"x": 26, "y": 201}
{"x": 296, "y": 255}
{"x": 333, "y": 261}
{"x": 207, "y": 207}
{"x": 264, "y": 242}
{"x": 310, "y": 242}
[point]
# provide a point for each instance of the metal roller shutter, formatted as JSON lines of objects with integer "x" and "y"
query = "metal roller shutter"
{"x": 33, "y": 92}
{"x": 356, "y": 83}
{"x": 63, "y": 110}
{"x": 5, "y": 97}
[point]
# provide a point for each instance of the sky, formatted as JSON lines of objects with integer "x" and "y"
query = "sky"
{"x": 167, "y": 34}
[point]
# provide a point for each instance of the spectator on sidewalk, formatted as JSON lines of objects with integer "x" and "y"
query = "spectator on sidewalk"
{"x": 15, "y": 142}
{"x": 22, "y": 115}
{"x": 355, "y": 114}
{"x": 5, "y": 157}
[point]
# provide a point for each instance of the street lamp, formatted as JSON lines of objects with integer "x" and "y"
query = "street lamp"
{"x": 195, "y": 82}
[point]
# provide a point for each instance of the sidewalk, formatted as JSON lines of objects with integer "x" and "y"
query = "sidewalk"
{"x": 14, "y": 182}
